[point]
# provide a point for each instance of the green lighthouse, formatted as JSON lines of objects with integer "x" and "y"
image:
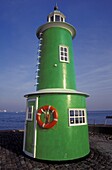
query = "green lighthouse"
{"x": 56, "y": 118}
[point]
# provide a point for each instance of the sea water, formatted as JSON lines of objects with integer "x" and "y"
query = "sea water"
{"x": 99, "y": 117}
{"x": 13, "y": 120}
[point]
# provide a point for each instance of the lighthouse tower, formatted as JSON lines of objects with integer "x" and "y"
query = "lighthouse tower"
{"x": 56, "y": 118}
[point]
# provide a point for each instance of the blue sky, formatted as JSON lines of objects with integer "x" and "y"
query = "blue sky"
{"x": 92, "y": 45}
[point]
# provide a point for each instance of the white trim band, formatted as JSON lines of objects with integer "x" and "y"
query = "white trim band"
{"x": 56, "y": 90}
{"x": 64, "y": 25}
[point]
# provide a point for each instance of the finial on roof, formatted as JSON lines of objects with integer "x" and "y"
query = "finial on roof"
{"x": 56, "y": 7}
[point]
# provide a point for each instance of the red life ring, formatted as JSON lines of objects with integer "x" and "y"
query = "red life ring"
{"x": 47, "y": 111}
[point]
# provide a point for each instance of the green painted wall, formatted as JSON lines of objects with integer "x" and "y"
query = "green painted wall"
{"x": 62, "y": 142}
{"x": 63, "y": 75}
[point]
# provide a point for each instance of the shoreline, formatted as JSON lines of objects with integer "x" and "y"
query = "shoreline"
{"x": 100, "y": 128}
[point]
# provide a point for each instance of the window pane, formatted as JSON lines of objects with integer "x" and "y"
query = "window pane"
{"x": 81, "y": 120}
{"x": 61, "y": 58}
{"x": 29, "y": 109}
{"x": 71, "y": 120}
{"x": 65, "y": 58}
{"x": 61, "y": 19}
{"x": 61, "y": 53}
{"x": 82, "y": 112}
{"x": 71, "y": 113}
{"x": 76, "y": 112}
{"x": 76, "y": 120}
{"x": 61, "y": 48}
{"x": 29, "y": 115}
{"x": 65, "y": 49}
{"x": 57, "y": 18}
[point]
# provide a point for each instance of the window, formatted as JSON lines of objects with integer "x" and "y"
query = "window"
{"x": 52, "y": 18}
{"x": 61, "y": 19}
{"x": 63, "y": 51}
{"x": 30, "y": 113}
{"x": 77, "y": 117}
{"x": 57, "y": 18}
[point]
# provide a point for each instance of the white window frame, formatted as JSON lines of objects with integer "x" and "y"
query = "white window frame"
{"x": 62, "y": 17}
{"x": 81, "y": 115}
{"x": 30, "y": 113}
{"x": 64, "y": 54}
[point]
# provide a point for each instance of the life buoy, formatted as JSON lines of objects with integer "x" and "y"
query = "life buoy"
{"x": 47, "y": 111}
